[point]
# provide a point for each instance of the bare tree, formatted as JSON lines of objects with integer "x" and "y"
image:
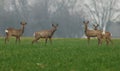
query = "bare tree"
{"x": 22, "y": 9}
{"x": 64, "y": 12}
{"x": 103, "y": 11}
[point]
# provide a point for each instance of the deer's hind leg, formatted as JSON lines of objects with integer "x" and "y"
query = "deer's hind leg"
{"x": 98, "y": 41}
{"x": 46, "y": 40}
{"x": 109, "y": 39}
{"x": 36, "y": 39}
{"x": 88, "y": 39}
{"x": 17, "y": 39}
{"x": 7, "y": 38}
{"x": 99, "y": 37}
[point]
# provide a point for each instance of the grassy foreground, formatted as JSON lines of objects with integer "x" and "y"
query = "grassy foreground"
{"x": 63, "y": 55}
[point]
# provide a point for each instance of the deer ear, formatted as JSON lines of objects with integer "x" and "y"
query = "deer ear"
{"x": 52, "y": 24}
{"x": 57, "y": 25}
{"x": 94, "y": 25}
{"x": 97, "y": 24}
{"x": 87, "y": 21}
{"x": 84, "y": 22}
{"x": 20, "y": 22}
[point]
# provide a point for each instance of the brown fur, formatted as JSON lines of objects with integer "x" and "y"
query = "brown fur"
{"x": 92, "y": 33}
{"x": 106, "y": 36}
{"x": 15, "y": 32}
{"x": 45, "y": 34}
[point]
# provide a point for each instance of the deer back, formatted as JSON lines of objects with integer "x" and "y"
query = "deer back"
{"x": 46, "y": 33}
{"x": 92, "y": 33}
{"x": 14, "y": 32}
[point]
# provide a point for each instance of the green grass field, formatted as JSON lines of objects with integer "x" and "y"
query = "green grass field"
{"x": 63, "y": 55}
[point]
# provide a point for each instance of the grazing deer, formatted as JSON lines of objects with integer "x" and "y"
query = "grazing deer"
{"x": 92, "y": 33}
{"x": 106, "y": 35}
{"x": 45, "y": 34}
{"x": 15, "y": 32}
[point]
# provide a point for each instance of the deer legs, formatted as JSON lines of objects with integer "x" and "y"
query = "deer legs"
{"x": 108, "y": 40}
{"x": 88, "y": 39}
{"x": 8, "y": 36}
{"x": 18, "y": 39}
{"x": 6, "y": 39}
{"x": 50, "y": 40}
{"x": 99, "y": 41}
{"x": 99, "y": 37}
{"x": 36, "y": 39}
{"x": 46, "y": 40}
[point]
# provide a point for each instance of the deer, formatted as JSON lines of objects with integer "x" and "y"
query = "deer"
{"x": 106, "y": 35}
{"x": 92, "y": 33}
{"x": 17, "y": 33}
{"x": 46, "y": 34}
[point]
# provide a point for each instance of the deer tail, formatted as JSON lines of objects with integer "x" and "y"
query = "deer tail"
{"x": 6, "y": 31}
{"x": 111, "y": 34}
{"x": 34, "y": 34}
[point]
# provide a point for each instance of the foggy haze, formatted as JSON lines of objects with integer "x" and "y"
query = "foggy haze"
{"x": 41, "y": 14}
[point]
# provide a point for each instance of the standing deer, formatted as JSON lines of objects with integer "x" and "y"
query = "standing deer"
{"x": 45, "y": 34}
{"x": 92, "y": 33}
{"x": 15, "y": 32}
{"x": 106, "y": 35}
{"x": 95, "y": 26}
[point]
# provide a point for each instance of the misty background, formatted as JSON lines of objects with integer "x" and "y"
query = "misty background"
{"x": 69, "y": 14}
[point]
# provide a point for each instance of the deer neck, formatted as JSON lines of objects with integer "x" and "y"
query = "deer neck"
{"x": 22, "y": 30}
{"x": 86, "y": 28}
{"x": 53, "y": 30}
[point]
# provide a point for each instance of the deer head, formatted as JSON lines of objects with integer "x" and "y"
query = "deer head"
{"x": 95, "y": 26}
{"x": 23, "y": 23}
{"x": 54, "y": 27}
{"x": 86, "y": 25}
{"x": 85, "y": 22}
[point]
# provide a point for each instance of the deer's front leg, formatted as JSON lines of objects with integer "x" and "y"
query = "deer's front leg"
{"x": 88, "y": 39}
{"x": 50, "y": 40}
{"x": 16, "y": 39}
{"x": 19, "y": 39}
{"x": 46, "y": 40}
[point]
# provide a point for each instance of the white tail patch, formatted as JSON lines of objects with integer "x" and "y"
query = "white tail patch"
{"x": 103, "y": 32}
{"x": 34, "y": 34}
{"x": 111, "y": 34}
{"x": 6, "y": 31}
